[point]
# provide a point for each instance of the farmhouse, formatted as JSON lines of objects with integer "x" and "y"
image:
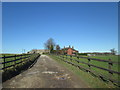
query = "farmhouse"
{"x": 69, "y": 50}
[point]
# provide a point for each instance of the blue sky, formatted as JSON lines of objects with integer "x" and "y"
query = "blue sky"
{"x": 89, "y": 26}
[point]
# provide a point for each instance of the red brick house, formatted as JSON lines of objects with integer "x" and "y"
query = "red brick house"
{"x": 69, "y": 51}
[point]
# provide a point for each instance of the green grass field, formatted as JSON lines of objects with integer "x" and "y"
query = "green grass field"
{"x": 100, "y": 64}
{"x": 89, "y": 78}
{"x": 105, "y": 65}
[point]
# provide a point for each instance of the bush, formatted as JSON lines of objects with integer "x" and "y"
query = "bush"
{"x": 85, "y": 54}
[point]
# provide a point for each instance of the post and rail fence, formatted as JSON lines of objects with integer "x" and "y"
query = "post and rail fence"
{"x": 13, "y": 60}
{"x": 89, "y": 69}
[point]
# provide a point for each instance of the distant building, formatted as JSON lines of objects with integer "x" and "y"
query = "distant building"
{"x": 69, "y": 50}
{"x": 40, "y": 51}
{"x": 91, "y": 54}
{"x": 98, "y": 53}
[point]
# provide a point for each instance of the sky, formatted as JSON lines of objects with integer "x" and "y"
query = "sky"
{"x": 88, "y": 26}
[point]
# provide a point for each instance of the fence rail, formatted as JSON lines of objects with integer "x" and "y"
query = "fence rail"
{"x": 77, "y": 59}
{"x": 95, "y": 59}
{"x": 17, "y": 59}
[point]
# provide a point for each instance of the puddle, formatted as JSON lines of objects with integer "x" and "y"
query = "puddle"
{"x": 62, "y": 77}
{"x": 49, "y": 72}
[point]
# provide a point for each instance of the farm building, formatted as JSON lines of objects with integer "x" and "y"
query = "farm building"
{"x": 69, "y": 50}
{"x": 40, "y": 51}
{"x": 99, "y": 53}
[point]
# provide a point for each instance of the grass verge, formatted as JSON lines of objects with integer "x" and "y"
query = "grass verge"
{"x": 93, "y": 82}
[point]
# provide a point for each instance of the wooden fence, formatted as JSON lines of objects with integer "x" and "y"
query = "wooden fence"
{"x": 15, "y": 60}
{"x": 78, "y": 61}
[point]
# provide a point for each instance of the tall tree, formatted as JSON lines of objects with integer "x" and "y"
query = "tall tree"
{"x": 49, "y": 44}
{"x": 113, "y": 51}
{"x": 57, "y": 49}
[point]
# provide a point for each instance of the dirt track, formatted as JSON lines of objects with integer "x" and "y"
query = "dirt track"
{"x": 46, "y": 73}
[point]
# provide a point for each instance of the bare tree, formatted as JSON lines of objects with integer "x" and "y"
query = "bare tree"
{"x": 49, "y": 44}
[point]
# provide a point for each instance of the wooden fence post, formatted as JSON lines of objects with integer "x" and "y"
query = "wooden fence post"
{"x": 26, "y": 58}
{"x": 110, "y": 64}
{"x": 89, "y": 63}
{"x": 63, "y": 57}
{"x": 4, "y": 63}
{"x": 66, "y": 56}
{"x": 21, "y": 59}
{"x": 71, "y": 57}
{"x": 29, "y": 57}
{"x": 15, "y": 62}
{"x": 78, "y": 59}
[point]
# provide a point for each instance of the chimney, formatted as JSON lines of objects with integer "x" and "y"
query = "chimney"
{"x": 69, "y": 46}
{"x": 64, "y": 47}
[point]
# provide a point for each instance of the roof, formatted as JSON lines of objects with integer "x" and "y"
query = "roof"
{"x": 68, "y": 48}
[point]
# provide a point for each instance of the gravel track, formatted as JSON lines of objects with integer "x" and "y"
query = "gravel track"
{"x": 46, "y": 73}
